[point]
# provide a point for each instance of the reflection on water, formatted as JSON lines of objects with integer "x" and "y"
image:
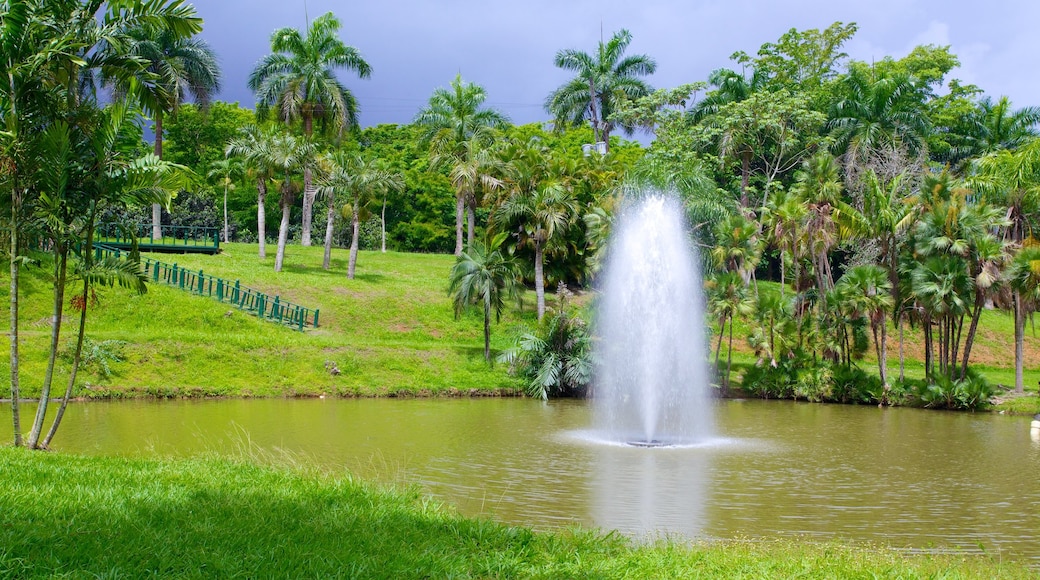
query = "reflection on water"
{"x": 902, "y": 477}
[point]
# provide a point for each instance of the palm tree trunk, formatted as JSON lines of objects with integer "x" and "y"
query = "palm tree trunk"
{"x": 226, "y": 240}
{"x": 783, "y": 277}
{"x": 729, "y": 356}
{"x": 926, "y": 327}
{"x": 970, "y": 339}
{"x": 283, "y": 236}
{"x": 330, "y": 225}
{"x": 382, "y": 228}
{"x": 261, "y": 216}
{"x": 78, "y": 355}
{"x": 309, "y": 192}
{"x": 487, "y": 330}
{"x": 471, "y": 218}
{"x": 902, "y": 353}
{"x": 61, "y": 262}
{"x": 459, "y": 210}
{"x": 1020, "y": 332}
{"x": 355, "y": 227}
{"x": 156, "y": 208}
{"x": 539, "y": 279}
{"x": 718, "y": 345}
{"x": 16, "y": 202}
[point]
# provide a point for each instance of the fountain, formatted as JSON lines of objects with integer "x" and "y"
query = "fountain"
{"x": 651, "y": 381}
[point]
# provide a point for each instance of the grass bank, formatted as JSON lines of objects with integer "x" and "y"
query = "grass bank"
{"x": 390, "y": 331}
{"x": 75, "y": 516}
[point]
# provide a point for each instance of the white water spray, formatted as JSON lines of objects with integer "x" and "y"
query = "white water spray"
{"x": 651, "y": 382}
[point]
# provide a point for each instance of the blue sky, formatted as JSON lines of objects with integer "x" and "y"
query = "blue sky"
{"x": 508, "y": 46}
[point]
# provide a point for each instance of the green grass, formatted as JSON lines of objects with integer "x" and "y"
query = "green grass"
{"x": 390, "y": 331}
{"x": 79, "y": 517}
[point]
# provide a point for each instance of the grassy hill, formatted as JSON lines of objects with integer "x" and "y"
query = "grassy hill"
{"x": 391, "y": 331}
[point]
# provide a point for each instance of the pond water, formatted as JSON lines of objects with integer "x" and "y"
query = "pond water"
{"x": 907, "y": 478}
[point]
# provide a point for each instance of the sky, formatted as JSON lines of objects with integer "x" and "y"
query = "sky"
{"x": 507, "y": 47}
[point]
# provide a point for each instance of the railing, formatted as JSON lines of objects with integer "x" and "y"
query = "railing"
{"x": 263, "y": 305}
{"x": 172, "y": 237}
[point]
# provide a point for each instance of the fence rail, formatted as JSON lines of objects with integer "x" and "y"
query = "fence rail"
{"x": 171, "y": 238}
{"x": 263, "y": 305}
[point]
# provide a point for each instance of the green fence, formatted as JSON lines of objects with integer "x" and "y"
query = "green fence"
{"x": 171, "y": 238}
{"x": 196, "y": 281}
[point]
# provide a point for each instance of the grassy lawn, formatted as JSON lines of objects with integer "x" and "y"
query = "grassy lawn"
{"x": 79, "y": 517}
{"x": 389, "y": 331}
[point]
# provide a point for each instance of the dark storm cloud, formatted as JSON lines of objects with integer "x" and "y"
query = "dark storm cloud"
{"x": 508, "y": 47}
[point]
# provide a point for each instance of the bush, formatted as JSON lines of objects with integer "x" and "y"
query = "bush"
{"x": 969, "y": 394}
{"x": 555, "y": 359}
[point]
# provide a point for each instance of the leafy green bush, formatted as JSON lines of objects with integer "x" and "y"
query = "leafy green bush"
{"x": 555, "y": 359}
{"x": 970, "y": 393}
{"x": 96, "y": 356}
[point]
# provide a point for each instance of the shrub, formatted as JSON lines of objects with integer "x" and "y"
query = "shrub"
{"x": 556, "y": 359}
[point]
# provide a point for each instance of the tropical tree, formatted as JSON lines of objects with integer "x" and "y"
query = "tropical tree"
{"x": 869, "y": 293}
{"x": 600, "y": 80}
{"x": 226, "y": 171}
{"x": 176, "y": 67}
{"x": 486, "y": 276}
{"x": 298, "y": 79}
{"x": 46, "y": 50}
{"x": 994, "y": 126}
{"x": 363, "y": 180}
{"x": 538, "y": 204}
{"x": 251, "y": 147}
{"x": 455, "y": 124}
{"x": 728, "y": 299}
{"x": 288, "y": 156}
{"x": 1024, "y": 278}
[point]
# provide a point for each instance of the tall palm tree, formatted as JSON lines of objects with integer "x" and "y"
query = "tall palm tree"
{"x": 177, "y": 66}
{"x": 288, "y": 156}
{"x": 538, "y": 204}
{"x": 600, "y": 79}
{"x": 727, "y": 299}
{"x": 487, "y": 276}
{"x": 456, "y": 123}
{"x": 46, "y": 50}
{"x": 1024, "y": 278}
{"x": 226, "y": 171}
{"x": 868, "y": 289}
{"x": 995, "y": 126}
{"x": 298, "y": 79}
{"x": 362, "y": 180}
{"x": 251, "y": 146}
{"x": 878, "y": 117}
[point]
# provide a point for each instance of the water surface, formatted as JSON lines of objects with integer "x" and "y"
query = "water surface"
{"x": 908, "y": 478}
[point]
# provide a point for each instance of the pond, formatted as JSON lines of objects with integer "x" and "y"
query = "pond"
{"x": 907, "y": 478}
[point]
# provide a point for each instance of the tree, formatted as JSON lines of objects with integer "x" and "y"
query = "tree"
{"x": 993, "y": 127}
{"x": 177, "y": 66}
{"x": 252, "y": 146}
{"x": 869, "y": 291}
{"x": 1024, "y": 278}
{"x": 362, "y": 179}
{"x": 298, "y": 79}
{"x": 727, "y": 299}
{"x": 538, "y": 204}
{"x": 287, "y": 156}
{"x": 600, "y": 81}
{"x": 46, "y": 50}
{"x": 452, "y": 120}
{"x": 486, "y": 276}
{"x": 226, "y": 171}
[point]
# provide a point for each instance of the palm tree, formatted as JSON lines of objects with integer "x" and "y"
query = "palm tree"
{"x": 251, "y": 146}
{"x": 362, "y": 179}
{"x": 48, "y": 49}
{"x": 538, "y": 204}
{"x": 226, "y": 171}
{"x": 869, "y": 291}
{"x": 451, "y": 120}
{"x": 727, "y": 299}
{"x": 474, "y": 174}
{"x": 484, "y": 275}
{"x": 287, "y": 155}
{"x": 1024, "y": 278}
{"x": 177, "y": 66}
{"x": 738, "y": 246}
{"x": 783, "y": 218}
{"x": 298, "y": 79}
{"x": 995, "y": 126}
{"x": 600, "y": 80}
{"x": 877, "y": 118}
